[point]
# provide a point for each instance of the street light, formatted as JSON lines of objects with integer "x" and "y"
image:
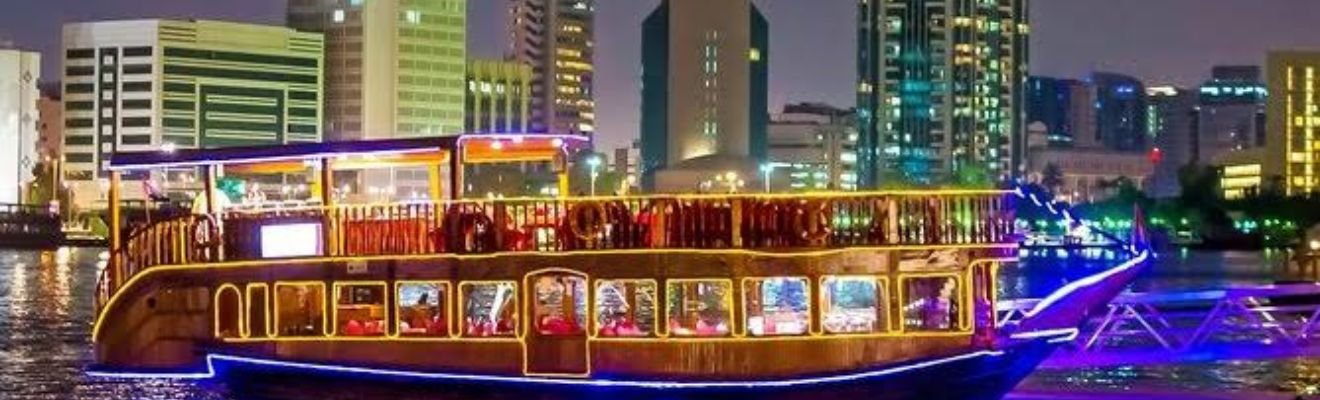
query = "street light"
{"x": 767, "y": 169}
{"x": 594, "y": 163}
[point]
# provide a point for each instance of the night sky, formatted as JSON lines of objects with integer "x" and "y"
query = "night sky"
{"x": 1160, "y": 41}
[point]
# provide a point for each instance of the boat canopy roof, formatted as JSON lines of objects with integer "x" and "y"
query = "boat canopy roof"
{"x": 487, "y": 148}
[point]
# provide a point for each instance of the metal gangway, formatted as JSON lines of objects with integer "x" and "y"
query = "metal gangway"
{"x": 1232, "y": 323}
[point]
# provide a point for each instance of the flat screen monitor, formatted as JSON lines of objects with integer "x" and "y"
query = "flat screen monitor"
{"x": 291, "y": 240}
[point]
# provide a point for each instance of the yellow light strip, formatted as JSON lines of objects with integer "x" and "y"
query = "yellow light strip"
{"x": 963, "y": 310}
{"x": 265, "y": 305}
{"x": 655, "y": 313}
{"x": 747, "y": 317}
{"x": 529, "y": 312}
{"x": 661, "y": 329}
{"x": 318, "y": 284}
{"x": 447, "y": 307}
{"x": 462, "y": 310}
{"x": 238, "y": 297}
{"x": 334, "y": 308}
{"x": 727, "y": 299}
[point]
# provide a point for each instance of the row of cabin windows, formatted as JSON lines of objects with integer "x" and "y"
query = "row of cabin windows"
{"x": 774, "y": 306}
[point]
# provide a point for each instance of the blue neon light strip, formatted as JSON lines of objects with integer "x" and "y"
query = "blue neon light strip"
{"x": 212, "y": 358}
{"x": 1085, "y": 282}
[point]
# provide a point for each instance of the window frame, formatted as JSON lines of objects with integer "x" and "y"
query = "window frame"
{"x": 656, "y": 319}
{"x": 448, "y": 308}
{"x": 325, "y": 317}
{"x": 810, "y": 328}
{"x": 884, "y": 306}
{"x": 729, "y": 303}
{"x": 519, "y": 329}
{"x": 384, "y": 308}
{"x": 960, "y": 291}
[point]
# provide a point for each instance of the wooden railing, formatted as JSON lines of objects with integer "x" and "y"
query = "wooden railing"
{"x": 771, "y": 223}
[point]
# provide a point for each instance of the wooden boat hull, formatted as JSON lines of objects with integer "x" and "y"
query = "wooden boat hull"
{"x": 977, "y": 375}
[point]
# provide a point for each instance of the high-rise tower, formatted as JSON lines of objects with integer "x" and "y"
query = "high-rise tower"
{"x": 941, "y": 89}
{"x": 556, "y": 38}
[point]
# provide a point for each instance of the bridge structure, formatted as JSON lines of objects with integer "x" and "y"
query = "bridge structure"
{"x": 25, "y": 226}
{"x": 1231, "y": 323}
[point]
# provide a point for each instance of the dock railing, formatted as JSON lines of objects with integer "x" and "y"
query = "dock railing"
{"x": 780, "y": 223}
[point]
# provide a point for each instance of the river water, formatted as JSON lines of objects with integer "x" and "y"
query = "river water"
{"x": 46, "y": 313}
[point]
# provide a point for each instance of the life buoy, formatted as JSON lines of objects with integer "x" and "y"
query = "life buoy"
{"x": 587, "y": 220}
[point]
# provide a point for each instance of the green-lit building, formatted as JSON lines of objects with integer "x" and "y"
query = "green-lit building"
{"x": 145, "y": 85}
{"x": 941, "y": 90}
{"x": 499, "y": 98}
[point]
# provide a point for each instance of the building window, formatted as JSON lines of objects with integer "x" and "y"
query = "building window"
{"x": 360, "y": 309}
{"x": 625, "y": 308}
{"x": 931, "y": 304}
{"x": 338, "y": 16}
{"x": 777, "y": 306}
{"x": 490, "y": 309}
{"x": 423, "y": 309}
{"x": 853, "y": 304}
{"x": 699, "y": 308}
{"x": 412, "y": 16}
{"x": 300, "y": 309}
{"x": 559, "y": 307}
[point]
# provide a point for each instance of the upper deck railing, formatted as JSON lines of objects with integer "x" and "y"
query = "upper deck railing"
{"x": 772, "y": 223}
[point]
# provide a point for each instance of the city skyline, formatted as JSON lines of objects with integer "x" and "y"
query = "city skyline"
{"x": 1164, "y": 42}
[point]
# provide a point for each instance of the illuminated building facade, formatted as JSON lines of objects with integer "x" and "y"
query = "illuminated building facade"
{"x": 941, "y": 89}
{"x": 1241, "y": 173}
{"x": 813, "y": 147}
{"x": 704, "y": 86}
{"x": 1049, "y": 101}
{"x": 1171, "y": 125}
{"x": 1293, "y": 126}
{"x": 499, "y": 97}
{"x": 1120, "y": 112}
{"x": 394, "y": 68}
{"x": 146, "y": 85}
{"x": 1231, "y": 113}
{"x": 557, "y": 39}
{"x": 19, "y": 72}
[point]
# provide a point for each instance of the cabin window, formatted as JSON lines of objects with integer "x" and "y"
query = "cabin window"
{"x": 853, "y": 304}
{"x": 559, "y": 307}
{"x": 360, "y": 309}
{"x": 300, "y": 309}
{"x": 625, "y": 308}
{"x": 228, "y": 312}
{"x": 777, "y": 306}
{"x": 258, "y": 314}
{"x": 699, "y": 308}
{"x": 490, "y": 309}
{"x": 932, "y": 304}
{"x": 423, "y": 309}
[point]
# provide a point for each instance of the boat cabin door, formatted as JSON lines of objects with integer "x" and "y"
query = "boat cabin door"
{"x": 556, "y": 339}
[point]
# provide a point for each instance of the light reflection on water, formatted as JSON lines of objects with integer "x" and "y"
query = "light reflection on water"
{"x": 46, "y": 313}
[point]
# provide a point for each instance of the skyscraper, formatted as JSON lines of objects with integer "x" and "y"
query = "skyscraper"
{"x": 1231, "y": 115}
{"x": 1293, "y": 142}
{"x": 704, "y": 87}
{"x": 1120, "y": 112}
{"x": 1169, "y": 119}
{"x": 556, "y": 38}
{"x": 143, "y": 85}
{"x": 394, "y": 68}
{"x": 19, "y": 72}
{"x": 1050, "y": 102}
{"x": 941, "y": 89}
